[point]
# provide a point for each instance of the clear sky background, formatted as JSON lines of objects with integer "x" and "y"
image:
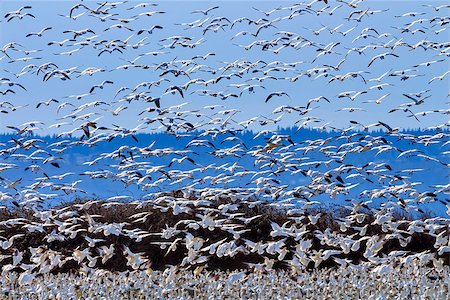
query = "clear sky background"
{"x": 251, "y": 105}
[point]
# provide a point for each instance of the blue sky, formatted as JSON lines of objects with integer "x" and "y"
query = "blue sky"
{"x": 250, "y": 105}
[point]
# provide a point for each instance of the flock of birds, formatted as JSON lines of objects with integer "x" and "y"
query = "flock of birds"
{"x": 175, "y": 284}
{"x": 215, "y": 229}
{"x": 283, "y": 171}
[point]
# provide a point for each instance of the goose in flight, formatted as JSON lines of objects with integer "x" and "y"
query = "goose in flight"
{"x": 441, "y": 77}
{"x": 149, "y": 13}
{"x": 47, "y": 103}
{"x": 39, "y": 34}
{"x": 381, "y": 57}
{"x": 77, "y": 6}
{"x": 56, "y": 73}
{"x": 142, "y": 5}
{"x": 17, "y": 12}
{"x": 351, "y": 109}
{"x": 277, "y": 94}
{"x": 377, "y": 101}
{"x": 77, "y": 33}
{"x": 20, "y": 17}
{"x": 149, "y": 31}
{"x": 100, "y": 86}
{"x": 172, "y": 89}
{"x": 206, "y": 11}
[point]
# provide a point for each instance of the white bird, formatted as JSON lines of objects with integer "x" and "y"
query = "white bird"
{"x": 39, "y": 34}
